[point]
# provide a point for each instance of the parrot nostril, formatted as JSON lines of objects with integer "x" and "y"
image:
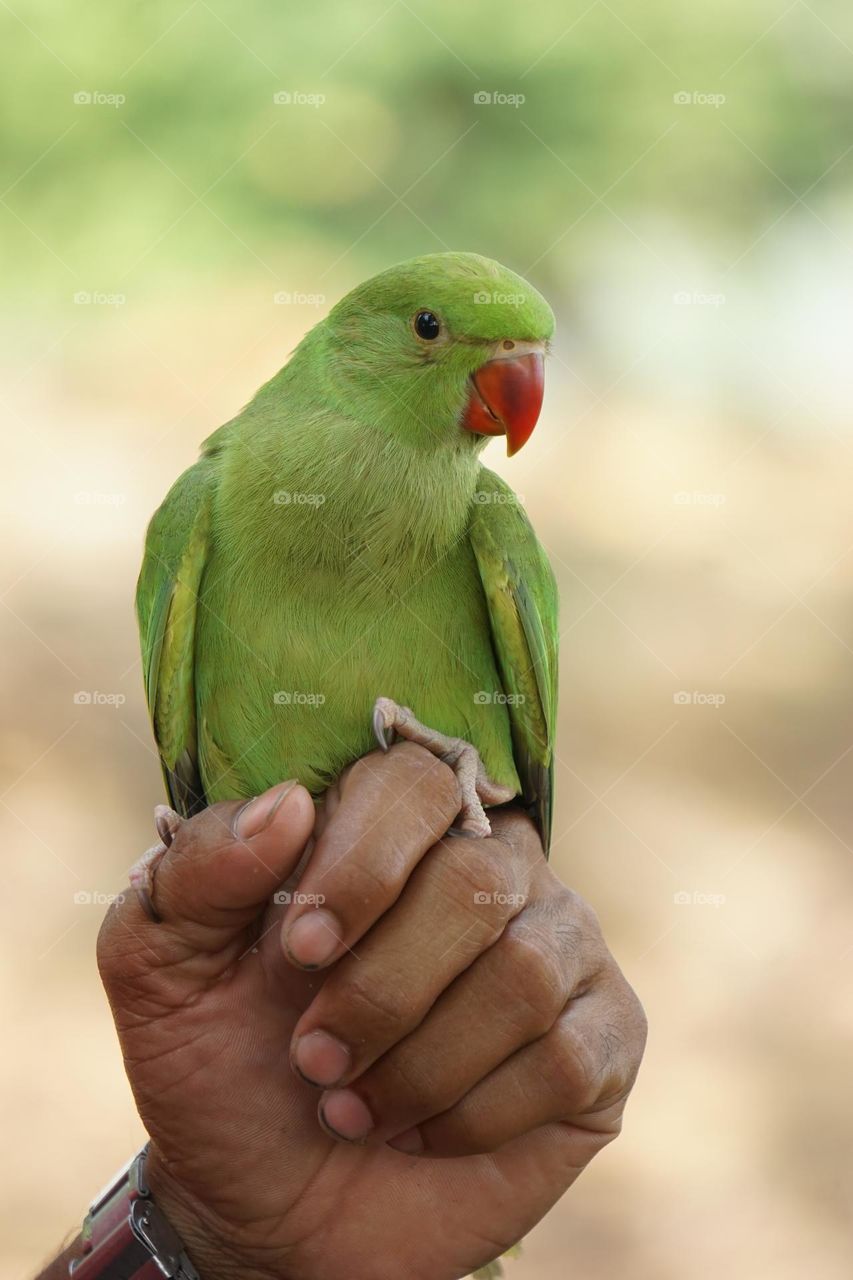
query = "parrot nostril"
{"x": 508, "y": 345}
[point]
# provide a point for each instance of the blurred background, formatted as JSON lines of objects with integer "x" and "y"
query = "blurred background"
{"x": 186, "y": 189}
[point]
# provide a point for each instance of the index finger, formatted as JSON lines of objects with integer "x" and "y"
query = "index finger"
{"x": 393, "y": 806}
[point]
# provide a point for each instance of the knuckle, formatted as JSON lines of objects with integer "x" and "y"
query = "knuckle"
{"x": 625, "y": 1008}
{"x": 634, "y": 1020}
{"x": 379, "y": 880}
{"x": 533, "y": 1011}
{"x": 641, "y": 1024}
{"x": 474, "y": 871}
{"x": 619, "y": 1065}
{"x": 387, "y": 1012}
{"x": 519, "y": 833}
{"x": 537, "y": 970}
{"x": 579, "y": 913}
{"x": 405, "y": 1086}
{"x": 578, "y": 932}
{"x": 574, "y": 1069}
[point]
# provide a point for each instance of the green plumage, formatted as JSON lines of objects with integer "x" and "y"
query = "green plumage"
{"x": 339, "y": 540}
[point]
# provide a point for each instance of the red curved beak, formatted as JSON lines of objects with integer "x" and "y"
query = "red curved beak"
{"x": 506, "y": 398}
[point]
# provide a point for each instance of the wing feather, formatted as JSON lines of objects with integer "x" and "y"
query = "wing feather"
{"x": 176, "y": 553}
{"x": 522, "y": 600}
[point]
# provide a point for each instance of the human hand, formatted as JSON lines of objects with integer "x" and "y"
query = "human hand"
{"x": 466, "y": 1007}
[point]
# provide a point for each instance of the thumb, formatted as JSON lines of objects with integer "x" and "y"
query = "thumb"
{"x": 214, "y": 878}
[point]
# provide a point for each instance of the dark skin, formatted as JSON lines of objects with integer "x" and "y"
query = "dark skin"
{"x": 448, "y": 996}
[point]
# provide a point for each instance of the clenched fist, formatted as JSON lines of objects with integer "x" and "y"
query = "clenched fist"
{"x": 392, "y": 1069}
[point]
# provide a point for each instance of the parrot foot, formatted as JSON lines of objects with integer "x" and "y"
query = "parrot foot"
{"x": 141, "y": 874}
{"x": 475, "y": 785}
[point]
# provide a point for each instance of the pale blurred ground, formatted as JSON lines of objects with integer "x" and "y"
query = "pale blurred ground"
{"x": 690, "y": 477}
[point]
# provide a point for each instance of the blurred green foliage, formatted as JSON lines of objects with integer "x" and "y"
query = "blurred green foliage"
{"x": 199, "y": 165}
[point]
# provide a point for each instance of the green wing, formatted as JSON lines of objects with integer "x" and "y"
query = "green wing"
{"x": 176, "y": 552}
{"x": 522, "y": 599}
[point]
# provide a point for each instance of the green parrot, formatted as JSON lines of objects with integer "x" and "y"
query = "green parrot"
{"x": 338, "y": 566}
{"x": 339, "y": 562}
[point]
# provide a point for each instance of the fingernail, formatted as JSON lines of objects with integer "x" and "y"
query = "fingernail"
{"x": 410, "y": 1142}
{"x": 257, "y": 814}
{"x": 321, "y": 1059}
{"x": 313, "y": 938}
{"x": 344, "y": 1114}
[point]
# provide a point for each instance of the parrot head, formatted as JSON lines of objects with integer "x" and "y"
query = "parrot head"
{"x": 446, "y": 349}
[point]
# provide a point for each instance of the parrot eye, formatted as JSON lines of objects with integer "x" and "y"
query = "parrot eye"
{"x": 427, "y": 325}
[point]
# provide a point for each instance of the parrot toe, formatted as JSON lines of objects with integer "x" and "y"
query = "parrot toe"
{"x": 476, "y": 787}
{"x": 141, "y": 874}
{"x": 141, "y": 877}
{"x": 167, "y": 822}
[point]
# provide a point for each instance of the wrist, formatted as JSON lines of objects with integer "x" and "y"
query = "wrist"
{"x": 211, "y": 1245}
{"x": 58, "y": 1268}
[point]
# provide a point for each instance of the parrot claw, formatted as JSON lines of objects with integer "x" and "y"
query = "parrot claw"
{"x": 475, "y": 786}
{"x": 379, "y": 728}
{"x": 167, "y": 823}
{"x": 141, "y": 874}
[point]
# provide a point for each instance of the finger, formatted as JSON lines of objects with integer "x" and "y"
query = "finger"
{"x": 579, "y": 1074}
{"x": 390, "y": 809}
{"x": 455, "y": 906}
{"x": 510, "y": 997}
{"x": 217, "y": 874}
